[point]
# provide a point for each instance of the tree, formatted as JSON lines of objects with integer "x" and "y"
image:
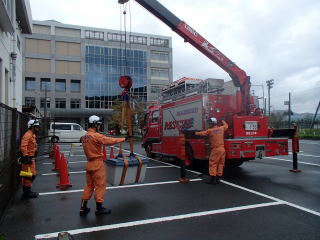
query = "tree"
{"x": 137, "y": 114}
{"x": 276, "y": 119}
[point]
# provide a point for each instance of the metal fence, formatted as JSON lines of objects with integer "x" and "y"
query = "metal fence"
{"x": 13, "y": 124}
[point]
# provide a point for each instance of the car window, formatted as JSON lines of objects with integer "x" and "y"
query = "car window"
{"x": 76, "y": 127}
{"x": 61, "y": 126}
{"x": 155, "y": 116}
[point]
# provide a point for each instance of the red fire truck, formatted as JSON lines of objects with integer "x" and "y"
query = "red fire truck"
{"x": 187, "y": 104}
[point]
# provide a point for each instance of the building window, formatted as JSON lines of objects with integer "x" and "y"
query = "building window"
{"x": 60, "y": 103}
{"x": 138, "y": 39}
{"x": 156, "y": 89}
{"x": 30, "y": 101}
{"x": 60, "y": 85}
{"x": 94, "y": 34}
{"x": 30, "y": 83}
{"x": 42, "y": 102}
{"x": 75, "y": 103}
{"x": 45, "y": 84}
{"x": 75, "y": 86}
{"x": 160, "y": 72}
{"x": 159, "y": 42}
{"x": 159, "y": 56}
{"x": 116, "y": 37}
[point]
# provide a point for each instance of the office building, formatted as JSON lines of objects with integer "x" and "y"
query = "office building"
{"x": 15, "y": 19}
{"x": 73, "y": 71}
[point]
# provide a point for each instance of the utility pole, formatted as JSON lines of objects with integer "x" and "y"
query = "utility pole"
{"x": 269, "y": 84}
{"x": 289, "y": 110}
{"x": 289, "y": 113}
{"x": 315, "y": 116}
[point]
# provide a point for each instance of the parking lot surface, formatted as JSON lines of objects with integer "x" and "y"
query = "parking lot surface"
{"x": 260, "y": 199}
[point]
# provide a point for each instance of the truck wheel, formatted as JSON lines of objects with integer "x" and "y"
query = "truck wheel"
{"x": 54, "y": 139}
{"x": 189, "y": 161}
{"x": 148, "y": 150}
{"x": 234, "y": 163}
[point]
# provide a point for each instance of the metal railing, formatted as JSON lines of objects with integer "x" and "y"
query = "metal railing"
{"x": 13, "y": 124}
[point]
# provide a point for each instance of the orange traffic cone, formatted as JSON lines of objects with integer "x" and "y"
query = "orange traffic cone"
{"x": 111, "y": 153}
{"x": 104, "y": 152}
{"x": 64, "y": 174}
{"x": 57, "y": 159}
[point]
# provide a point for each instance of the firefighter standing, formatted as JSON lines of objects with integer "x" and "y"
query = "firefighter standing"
{"x": 218, "y": 153}
{"x": 28, "y": 150}
{"x": 92, "y": 144}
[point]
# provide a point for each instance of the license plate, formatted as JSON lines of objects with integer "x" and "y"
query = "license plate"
{"x": 251, "y": 125}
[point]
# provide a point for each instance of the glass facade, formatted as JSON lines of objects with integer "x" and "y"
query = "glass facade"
{"x": 104, "y": 66}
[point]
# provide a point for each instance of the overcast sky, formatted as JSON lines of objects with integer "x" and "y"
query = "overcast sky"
{"x": 268, "y": 39}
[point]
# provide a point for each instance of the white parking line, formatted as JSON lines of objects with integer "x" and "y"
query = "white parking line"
{"x": 68, "y": 162}
{"x": 157, "y": 220}
{"x": 50, "y": 174}
{"x": 307, "y": 155}
{"x": 123, "y": 186}
{"x": 272, "y": 198}
{"x": 286, "y": 160}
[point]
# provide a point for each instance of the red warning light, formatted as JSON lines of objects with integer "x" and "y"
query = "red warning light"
{"x": 125, "y": 82}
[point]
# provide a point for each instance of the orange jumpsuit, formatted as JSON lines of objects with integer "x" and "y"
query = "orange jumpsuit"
{"x": 218, "y": 152}
{"x": 28, "y": 148}
{"x": 95, "y": 170}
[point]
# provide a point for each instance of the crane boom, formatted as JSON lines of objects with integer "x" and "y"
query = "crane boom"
{"x": 238, "y": 76}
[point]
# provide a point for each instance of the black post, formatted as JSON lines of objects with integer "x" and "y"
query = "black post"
{"x": 295, "y": 150}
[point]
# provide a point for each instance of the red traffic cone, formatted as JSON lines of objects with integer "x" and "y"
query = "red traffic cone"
{"x": 104, "y": 152}
{"x": 64, "y": 174}
{"x": 111, "y": 153}
{"x": 57, "y": 160}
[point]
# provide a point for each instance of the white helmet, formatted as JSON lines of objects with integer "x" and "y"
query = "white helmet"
{"x": 212, "y": 120}
{"x": 33, "y": 123}
{"x": 95, "y": 119}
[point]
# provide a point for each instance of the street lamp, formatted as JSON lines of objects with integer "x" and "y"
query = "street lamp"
{"x": 269, "y": 84}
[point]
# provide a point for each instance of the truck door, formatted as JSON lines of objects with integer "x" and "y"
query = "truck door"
{"x": 154, "y": 130}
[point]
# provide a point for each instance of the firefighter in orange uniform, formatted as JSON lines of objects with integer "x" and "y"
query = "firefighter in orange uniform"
{"x": 28, "y": 149}
{"x": 92, "y": 144}
{"x": 218, "y": 153}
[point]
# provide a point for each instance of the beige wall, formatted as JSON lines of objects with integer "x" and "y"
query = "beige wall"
{"x": 68, "y": 49}
{"x": 68, "y": 32}
{"x": 38, "y": 65}
{"x": 68, "y": 67}
{"x": 38, "y": 46}
{"x": 41, "y": 29}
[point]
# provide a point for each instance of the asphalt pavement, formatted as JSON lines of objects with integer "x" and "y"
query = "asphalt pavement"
{"x": 260, "y": 199}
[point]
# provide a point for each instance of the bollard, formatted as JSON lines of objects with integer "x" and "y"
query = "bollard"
{"x": 64, "y": 174}
{"x": 295, "y": 150}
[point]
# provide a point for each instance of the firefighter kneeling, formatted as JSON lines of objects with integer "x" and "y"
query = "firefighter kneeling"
{"x": 218, "y": 152}
{"x": 28, "y": 166}
{"x": 92, "y": 144}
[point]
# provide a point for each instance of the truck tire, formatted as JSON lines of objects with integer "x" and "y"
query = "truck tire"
{"x": 54, "y": 139}
{"x": 234, "y": 163}
{"x": 189, "y": 161}
{"x": 148, "y": 149}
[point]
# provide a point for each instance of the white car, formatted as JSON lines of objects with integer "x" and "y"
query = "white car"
{"x": 66, "y": 132}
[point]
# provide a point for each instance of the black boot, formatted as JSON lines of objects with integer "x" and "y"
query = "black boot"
{"x": 218, "y": 179}
{"x": 27, "y": 193}
{"x": 84, "y": 210}
{"x": 211, "y": 180}
{"x": 101, "y": 209}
